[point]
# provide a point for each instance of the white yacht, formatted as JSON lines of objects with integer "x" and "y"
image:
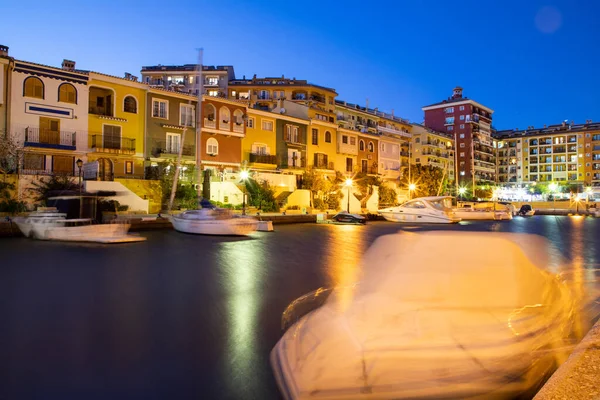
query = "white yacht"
{"x": 213, "y": 221}
{"x": 424, "y": 210}
{"x": 43, "y": 215}
{"x": 431, "y": 315}
{"x": 486, "y": 212}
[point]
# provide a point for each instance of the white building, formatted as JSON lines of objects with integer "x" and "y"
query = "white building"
{"x": 48, "y": 117}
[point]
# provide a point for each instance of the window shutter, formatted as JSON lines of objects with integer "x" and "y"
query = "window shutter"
{"x": 268, "y": 150}
{"x": 254, "y": 149}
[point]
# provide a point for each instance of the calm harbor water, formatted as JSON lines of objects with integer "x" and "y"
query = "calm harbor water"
{"x": 182, "y": 316}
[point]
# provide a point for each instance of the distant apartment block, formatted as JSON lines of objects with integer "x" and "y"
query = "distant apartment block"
{"x": 185, "y": 78}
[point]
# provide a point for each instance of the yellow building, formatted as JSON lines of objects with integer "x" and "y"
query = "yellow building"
{"x": 260, "y": 143}
{"x": 347, "y": 152}
{"x": 116, "y": 126}
{"x": 321, "y": 149}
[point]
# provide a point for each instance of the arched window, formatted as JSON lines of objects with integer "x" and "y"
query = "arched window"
{"x": 224, "y": 115}
{"x": 371, "y": 147}
{"x": 67, "y": 93}
{"x": 33, "y": 87}
{"x": 210, "y": 112}
{"x": 361, "y": 145}
{"x": 130, "y": 104}
{"x": 212, "y": 146}
{"x": 327, "y": 137}
{"x": 238, "y": 117}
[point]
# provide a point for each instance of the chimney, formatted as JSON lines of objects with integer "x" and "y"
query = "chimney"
{"x": 3, "y": 51}
{"x": 134, "y": 78}
{"x": 545, "y": 126}
{"x": 572, "y": 122}
{"x": 68, "y": 65}
{"x": 457, "y": 93}
{"x": 392, "y": 113}
{"x": 127, "y": 76}
{"x": 564, "y": 123}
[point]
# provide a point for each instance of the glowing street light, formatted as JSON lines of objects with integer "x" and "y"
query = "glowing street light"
{"x": 412, "y": 186}
{"x": 348, "y": 185}
{"x": 553, "y": 186}
{"x": 244, "y": 175}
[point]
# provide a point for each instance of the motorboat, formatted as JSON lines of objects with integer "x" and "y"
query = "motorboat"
{"x": 344, "y": 218}
{"x": 509, "y": 206}
{"x": 424, "y": 210}
{"x": 431, "y": 316}
{"x": 51, "y": 225}
{"x": 526, "y": 210}
{"x": 471, "y": 212}
{"x": 211, "y": 220}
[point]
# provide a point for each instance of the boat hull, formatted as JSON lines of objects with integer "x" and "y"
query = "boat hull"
{"x": 102, "y": 233}
{"x": 219, "y": 227}
{"x": 477, "y": 215}
{"x": 417, "y": 218}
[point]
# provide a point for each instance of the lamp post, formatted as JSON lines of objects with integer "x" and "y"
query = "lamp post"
{"x": 552, "y": 188}
{"x": 244, "y": 176}
{"x": 79, "y": 165}
{"x": 348, "y": 185}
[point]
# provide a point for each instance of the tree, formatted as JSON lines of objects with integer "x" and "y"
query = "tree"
{"x": 10, "y": 154}
{"x": 326, "y": 191}
{"x": 7, "y": 201}
{"x": 261, "y": 195}
{"x": 55, "y": 184}
{"x": 365, "y": 184}
{"x": 387, "y": 196}
{"x": 428, "y": 180}
{"x": 186, "y": 195}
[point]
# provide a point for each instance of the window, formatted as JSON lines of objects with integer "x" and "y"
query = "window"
{"x": 292, "y": 135}
{"x": 361, "y": 145}
{"x": 244, "y": 95}
{"x": 212, "y": 80}
{"x": 128, "y": 167}
{"x": 449, "y": 110}
{"x": 160, "y": 109}
{"x": 462, "y": 117}
{"x": 267, "y": 125}
{"x": 344, "y": 139}
{"x": 173, "y": 143}
{"x": 449, "y": 120}
{"x": 320, "y": 160}
{"x": 414, "y": 204}
{"x": 327, "y": 137}
{"x": 62, "y": 165}
{"x": 263, "y": 95}
{"x": 462, "y": 136}
{"x": 212, "y": 147}
{"x": 67, "y": 93}
{"x": 250, "y": 122}
{"x": 260, "y": 149}
{"x": 418, "y": 140}
{"x": 111, "y": 137}
{"x": 130, "y": 104}
{"x": 315, "y": 136}
{"x": 462, "y": 145}
{"x": 450, "y": 128}
{"x": 321, "y": 117}
{"x": 462, "y": 155}
{"x": 371, "y": 147}
{"x": 186, "y": 115}
{"x": 33, "y": 87}
{"x": 348, "y": 165}
{"x": 213, "y": 93}
{"x": 33, "y": 162}
{"x": 353, "y": 141}
{"x": 278, "y": 94}
{"x": 461, "y": 108}
{"x": 224, "y": 115}
{"x": 382, "y": 146}
{"x": 462, "y": 126}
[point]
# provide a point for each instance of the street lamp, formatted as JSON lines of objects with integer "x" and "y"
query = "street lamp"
{"x": 553, "y": 186}
{"x": 411, "y": 188}
{"x": 462, "y": 191}
{"x": 79, "y": 165}
{"x": 244, "y": 176}
{"x": 348, "y": 185}
{"x": 588, "y": 190}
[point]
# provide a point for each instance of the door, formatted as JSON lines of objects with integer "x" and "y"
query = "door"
{"x": 105, "y": 169}
{"x": 49, "y": 130}
{"x": 364, "y": 164}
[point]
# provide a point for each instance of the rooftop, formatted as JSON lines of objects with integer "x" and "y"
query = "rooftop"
{"x": 279, "y": 81}
{"x": 434, "y": 132}
{"x": 187, "y": 67}
{"x": 373, "y": 111}
{"x": 563, "y": 127}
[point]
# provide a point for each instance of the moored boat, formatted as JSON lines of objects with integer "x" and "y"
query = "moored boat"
{"x": 422, "y": 210}
{"x": 213, "y": 221}
{"x": 468, "y": 212}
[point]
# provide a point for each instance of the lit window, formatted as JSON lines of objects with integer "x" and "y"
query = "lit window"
{"x": 186, "y": 115}
{"x": 129, "y": 167}
{"x": 212, "y": 80}
{"x": 462, "y": 135}
{"x": 173, "y": 143}
{"x": 462, "y": 154}
{"x": 462, "y": 117}
{"x": 213, "y": 93}
{"x": 212, "y": 146}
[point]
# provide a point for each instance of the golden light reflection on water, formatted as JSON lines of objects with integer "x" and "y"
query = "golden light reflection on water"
{"x": 242, "y": 274}
{"x": 346, "y": 246}
{"x": 577, "y": 280}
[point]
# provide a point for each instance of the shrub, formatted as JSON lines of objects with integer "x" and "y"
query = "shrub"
{"x": 319, "y": 204}
{"x": 7, "y": 203}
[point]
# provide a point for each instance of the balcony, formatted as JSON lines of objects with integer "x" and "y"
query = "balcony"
{"x": 113, "y": 145}
{"x": 210, "y": 123}
{"x": 239, "y": 128}
{"x": 50, "y": 139}
{"x": 324, "y": 165}
{"x": 263, "y": 158}
{"x": 160, "y": 148}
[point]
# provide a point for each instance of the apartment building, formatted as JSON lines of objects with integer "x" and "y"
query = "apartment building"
{"x": 565, "y": 152}
{"x": 469, "y": 122}
{"x": 185, "y": 78}
{"x": 433, "y": 148}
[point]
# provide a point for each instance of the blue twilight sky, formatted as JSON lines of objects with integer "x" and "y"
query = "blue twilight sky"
{"x": 533, "y": 62}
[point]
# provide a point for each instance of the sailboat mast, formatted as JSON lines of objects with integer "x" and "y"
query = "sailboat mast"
{"x": 199, "y": 121}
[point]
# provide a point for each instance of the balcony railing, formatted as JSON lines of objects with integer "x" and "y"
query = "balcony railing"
{"x": 113, "y": 144}
{"x": 239, "y": 128}
{"x": 322, "y": 165}
{"x": 159, "y": 148}
{"x": 106, "y": 111}
{"x": 36, "y": 137}
{"x": 263, "y": 158}
{"x": 210, "y": 123}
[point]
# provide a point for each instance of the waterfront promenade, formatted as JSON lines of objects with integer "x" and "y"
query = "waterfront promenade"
{"x": 184, "y": 316}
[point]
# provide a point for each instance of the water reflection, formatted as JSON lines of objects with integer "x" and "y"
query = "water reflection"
{"x": 345, "y": 248}
{"x": 242, "y": 270}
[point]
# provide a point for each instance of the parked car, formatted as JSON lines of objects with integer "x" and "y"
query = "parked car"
{"x": 344, "y": 217}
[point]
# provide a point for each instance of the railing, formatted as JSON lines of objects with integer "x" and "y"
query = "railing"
{"x": 50, "y": 139}
{"x": 322, "y": 165}
{"x": 239, "y": 128}
{"x": 107, "y": 112}
{"x": 160, "y": 147}
{"x": 210, "y": 123}
{"x": 263, "y": 158}
{"x": 113, "y": 144}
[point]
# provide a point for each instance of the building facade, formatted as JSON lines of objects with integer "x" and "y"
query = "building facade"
{"x": 116, "y": 126}
{"x": 6, "y": 66}
{"x": 49, "y": 117}
{"x": 469, "y": 122}
{"x": 185, "y": 78}
{"x": 433, "y": 148}
{"x": 259, "y": 146}
{"x": 568, "y": 153}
